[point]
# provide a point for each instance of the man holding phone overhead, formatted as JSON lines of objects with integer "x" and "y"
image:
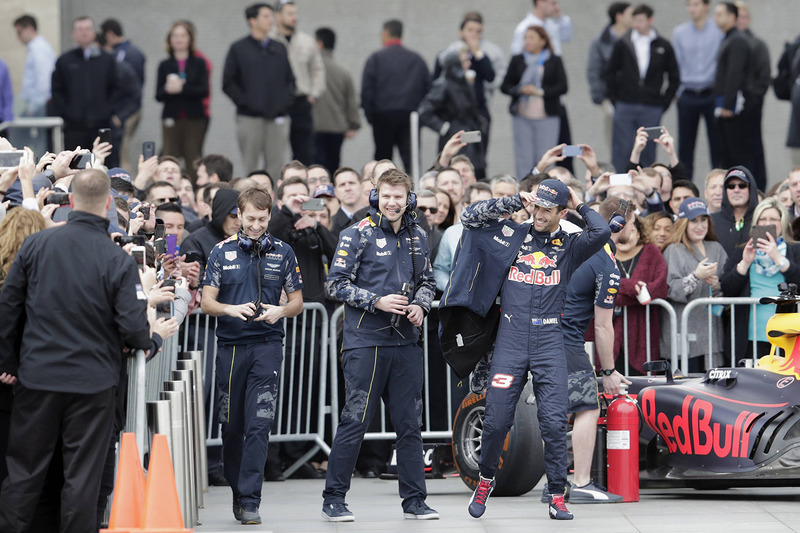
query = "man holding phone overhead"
{"x": 245, "y": 275}
{"x": 313, "y": 243}
{"x": 635, "y": 76}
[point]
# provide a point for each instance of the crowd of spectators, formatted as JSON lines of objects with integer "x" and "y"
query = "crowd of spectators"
{"x": 170, "y": 208}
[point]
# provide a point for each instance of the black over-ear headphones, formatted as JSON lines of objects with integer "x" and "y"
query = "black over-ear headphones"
{"x": 247, "y": 244}
{"x": 411, "y": 201}
{"x": 618, "y": 220}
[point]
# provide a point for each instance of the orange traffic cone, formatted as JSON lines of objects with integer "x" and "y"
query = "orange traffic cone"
{"x": 162, "y": 509}
{"x": 126, "y": 509}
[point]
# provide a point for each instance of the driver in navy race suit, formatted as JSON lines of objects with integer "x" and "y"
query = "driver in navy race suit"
{"x": 530, "y": 264}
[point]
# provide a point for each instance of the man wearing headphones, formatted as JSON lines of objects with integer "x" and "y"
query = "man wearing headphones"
{"x": 244, "y": 277}
{"x": 382, "y": 273}
{"x": 591, "y": 294}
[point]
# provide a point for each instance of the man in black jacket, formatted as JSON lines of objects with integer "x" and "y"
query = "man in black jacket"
{"x": 258, "y": 79}
{"x": 224, "y": 223}
{"x": 84, "y": 87}
{"x": 394, "y": 82}
{"x": 734, "y": 107}
{"x": 635, "y": 74}
{"x": 759, "y": 79}
{"x": 66, "y": 360}
{"x": 312, "y": 243}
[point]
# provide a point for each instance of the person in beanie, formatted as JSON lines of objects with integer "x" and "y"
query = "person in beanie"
{"x": 739, "y": 200}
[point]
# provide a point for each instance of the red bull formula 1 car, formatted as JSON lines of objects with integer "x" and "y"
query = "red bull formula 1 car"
{"x": 728, "y": 427}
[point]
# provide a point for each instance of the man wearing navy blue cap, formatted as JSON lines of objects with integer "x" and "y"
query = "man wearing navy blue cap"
{"x": 530, "y": 264}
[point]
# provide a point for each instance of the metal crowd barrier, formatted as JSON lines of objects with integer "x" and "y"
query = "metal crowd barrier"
{"x": 415, "y": 171}
{"x": 301, "y": 405}
{"x": 428, "y": 431}
{"x": 136, "y": 419}
{"x": 54, "y": 123}
{"x": 165, "y": 395}
{"x": 679, "y": 341}
{"x": 708, "y": 302}
{"x": 673, "y": 326}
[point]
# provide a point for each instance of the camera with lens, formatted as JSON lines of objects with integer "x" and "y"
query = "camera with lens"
{"x": 59, "y": 198}
{"x": 256, "y": 313}
{"x": 136, "y": 240}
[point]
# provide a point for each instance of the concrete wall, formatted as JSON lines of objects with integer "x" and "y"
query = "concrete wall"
{"x": 430, "y": 25}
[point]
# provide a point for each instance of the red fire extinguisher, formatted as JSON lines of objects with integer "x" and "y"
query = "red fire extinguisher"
{"x": 622, "y": 441}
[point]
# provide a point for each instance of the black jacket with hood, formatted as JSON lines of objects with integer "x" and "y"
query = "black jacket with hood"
{"x": 313, "y": 247}
{"x": 724, "y": 222}
{"x": 204, "y": 239}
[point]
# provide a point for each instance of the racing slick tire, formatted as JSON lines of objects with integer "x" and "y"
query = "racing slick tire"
{"x": 522, "y": 461}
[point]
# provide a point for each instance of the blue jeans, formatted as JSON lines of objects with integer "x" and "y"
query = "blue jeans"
{"x": 627, "y": 119}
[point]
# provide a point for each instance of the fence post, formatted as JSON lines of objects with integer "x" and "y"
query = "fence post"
{"x": 139, "y": 407}
{"x": 415, "y": 148}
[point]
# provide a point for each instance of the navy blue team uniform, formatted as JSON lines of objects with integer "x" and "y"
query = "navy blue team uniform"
{"x": 249, "y": 355}
{"x": 595, "y": 283}
{"x": 372, "y": 261}
{"x": 532, "y": 283}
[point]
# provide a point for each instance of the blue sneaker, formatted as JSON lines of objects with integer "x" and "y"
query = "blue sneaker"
{"x": 337, "y": 512}
{"x": 558, "y": 511}
{"x": 419, "y": 510}
{"x": 477, "y": 504}
{"x": 591, "y": 493}
{"x": 249, "y": 514}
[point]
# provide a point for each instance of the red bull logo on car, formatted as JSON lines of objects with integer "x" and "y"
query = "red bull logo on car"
{"x": 536, "y": 260}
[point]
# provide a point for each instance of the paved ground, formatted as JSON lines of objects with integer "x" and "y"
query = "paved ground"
{"x": 295, "y": 506}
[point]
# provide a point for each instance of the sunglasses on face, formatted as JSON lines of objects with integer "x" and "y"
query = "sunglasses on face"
{"x": 169, "y": 200}
{"x": 739, "y": 185}
{"x": 431, "y": 210}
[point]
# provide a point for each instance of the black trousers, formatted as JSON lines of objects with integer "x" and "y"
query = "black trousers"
{"x": 735, "y": 141}
{"x": 691, "y": 106}
{"x": 389, "y": 130}
{"x": 301, "y": 132}
{"x": 756, "y": 145}
{"x": 328, "y": 149}
{"x": 84, "y": 423}
{"x": 565, "y": 137}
